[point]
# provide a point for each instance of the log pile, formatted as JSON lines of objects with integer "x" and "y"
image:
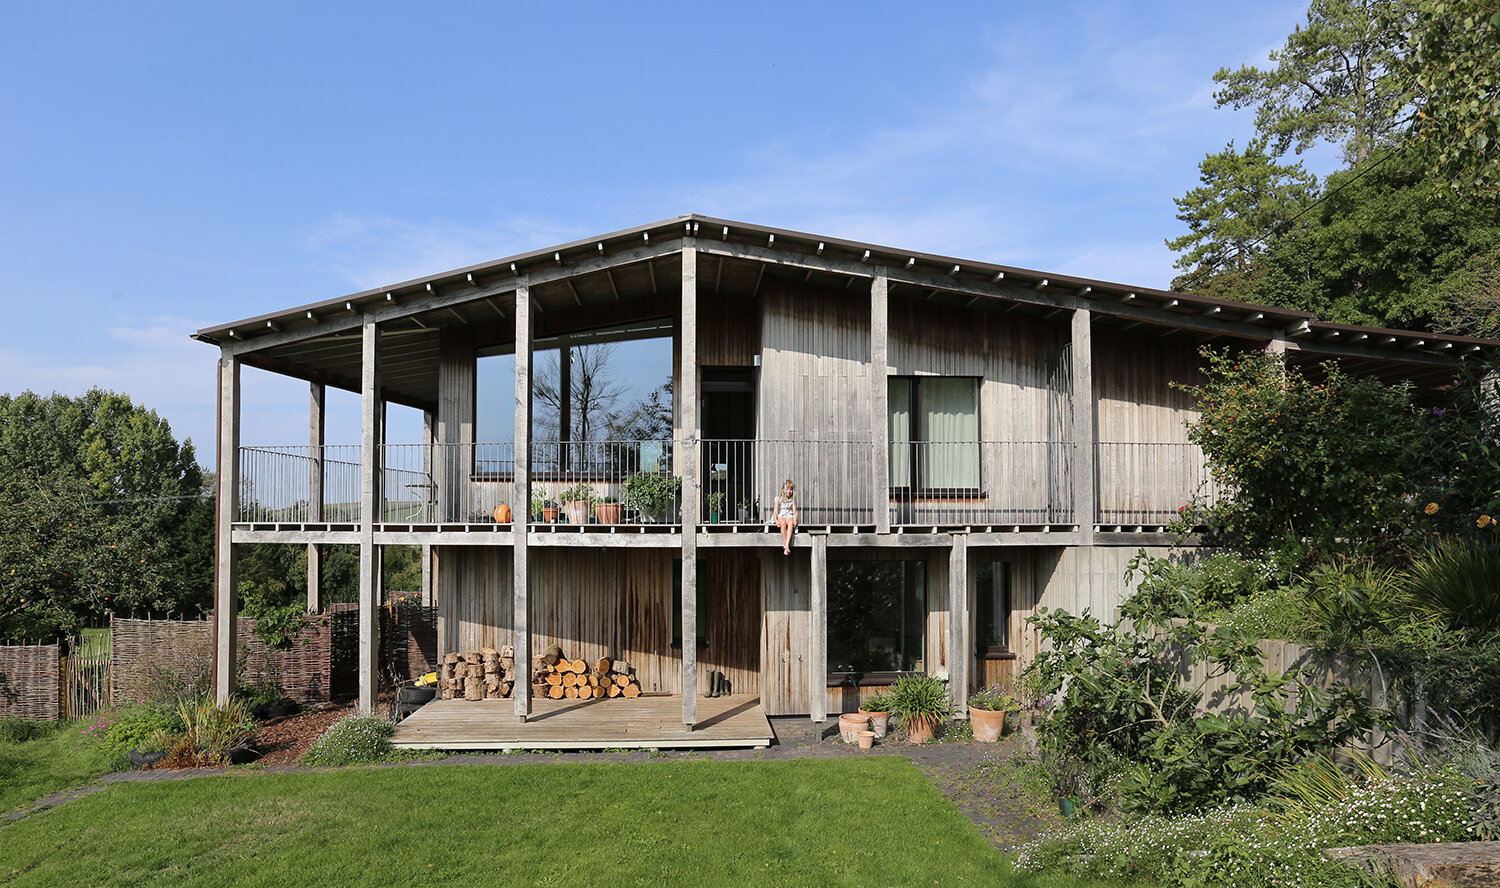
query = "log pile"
{"x": 555, "y": 677}
{"x": 486, "y": 674}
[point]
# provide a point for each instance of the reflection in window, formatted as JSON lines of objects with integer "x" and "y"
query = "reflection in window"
{"x": 992, "y": 607}
{"x": 877, "y": 616}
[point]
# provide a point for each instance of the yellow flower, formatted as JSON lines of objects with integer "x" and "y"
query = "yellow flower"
{"x": 1432, "y": 509}
{"x": 1484, "y": 521}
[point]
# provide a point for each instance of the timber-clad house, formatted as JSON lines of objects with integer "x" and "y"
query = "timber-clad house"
{"x": 970, "y": 442}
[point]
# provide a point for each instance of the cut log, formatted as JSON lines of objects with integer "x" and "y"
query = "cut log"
{"x": 555, "y": 692}
{"x": 552, "y": 654}
{"x": 507, "y": 652}
{"x": 602, "y": 666}
{"x": 473, "y": 690}
{"x": 580, "y": 667}
{"x": 598, "y": 692}
{"x": 570, "y": 693}
{"x": 451, "y": 658}
{"x": 569, "y": 680}
{"x": 631, "y": 691}
{"x": 615, "y": 690}
{"x": 593, "y": 681}
{"x": 624, "y": 668}
{"x": 505, "y": 688}
{"x": 623, "y": 681}
{"x": 554, "y": 679}
{"x": 540, "y": 690}
{"x": 508, "y": 664}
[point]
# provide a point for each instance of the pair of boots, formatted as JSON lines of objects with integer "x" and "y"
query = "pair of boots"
{"x": 718, "y": 684}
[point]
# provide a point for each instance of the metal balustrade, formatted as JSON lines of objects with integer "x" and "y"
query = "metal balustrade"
{"x": 930, "y": 483}
{"x": 1148, "y": 484}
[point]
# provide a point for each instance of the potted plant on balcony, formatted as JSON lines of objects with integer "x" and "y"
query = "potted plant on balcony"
{"x": 607, "y": 511}
{"x": 920, "y": 703}
{"x": 578, "y": 502}
{"x": 987, "y": 709}
{"x": 749, "y": 510}
{"x": 651, "y": 494}
{"x": 715, "y": 506}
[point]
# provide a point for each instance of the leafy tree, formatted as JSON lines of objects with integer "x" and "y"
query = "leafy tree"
{"x": 593, "y": 391}
{"x": 1454, "y": 64}
{"x": 107, "y": 513}
{"x": 1335, "y": 80}
{"x": 649, "y": 419}
{"x": 1245, "y": 196}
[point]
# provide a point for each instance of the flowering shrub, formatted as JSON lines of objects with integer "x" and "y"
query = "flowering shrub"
{"x": 144, "y": 730}
{"x": 355, "y": 740}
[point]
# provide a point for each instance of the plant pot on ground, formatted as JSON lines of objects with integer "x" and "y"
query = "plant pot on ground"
{"x": 878, "y": 708}
{"x": 987, "y": 711}
{"x": 920, "y": 703}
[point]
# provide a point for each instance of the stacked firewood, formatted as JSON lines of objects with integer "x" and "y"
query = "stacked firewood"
{"x": 485, "y": 674}
{"x": 556, "y": 677}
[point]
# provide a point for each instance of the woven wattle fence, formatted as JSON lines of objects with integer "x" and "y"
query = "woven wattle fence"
{"x": 29, "y": 681}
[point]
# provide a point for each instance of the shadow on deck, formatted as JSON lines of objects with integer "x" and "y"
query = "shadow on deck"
{"x": 643, "y": 723}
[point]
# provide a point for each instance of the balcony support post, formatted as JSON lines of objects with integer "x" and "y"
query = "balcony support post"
{"x": 880, "y": 424}
{"x": 687, "y": 439}
{"x": 520, "y": 505}
{"x": 429, "y": 430}
{"x": 226, "y": 603}
{"x": 315, "y": 441}
{"x": 817, "y": 630}
{"x": 1084, "y": 480}
{"x": 369, "y": 507}
{"x": 959, "y": 646}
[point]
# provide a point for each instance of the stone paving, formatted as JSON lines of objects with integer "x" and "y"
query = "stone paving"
{"x": 964, "y": 770}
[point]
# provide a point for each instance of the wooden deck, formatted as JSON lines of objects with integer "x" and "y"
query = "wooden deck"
{"x": 642, "y": 723}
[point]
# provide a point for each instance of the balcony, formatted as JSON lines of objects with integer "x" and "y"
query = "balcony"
{"x": 599, "y": 484}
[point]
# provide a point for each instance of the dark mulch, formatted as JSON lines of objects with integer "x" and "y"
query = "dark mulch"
{"x": 282, "y": 741}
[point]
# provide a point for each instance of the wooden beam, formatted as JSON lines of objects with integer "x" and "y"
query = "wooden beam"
{"x": 960, "y": 649}
{"x": 429, "y": 440}
{"x": 687, "y": 441}
{"x": 879, "y": 400}
{"x": 817, "y": 631}
{"x": 521, "y": 503}
{"x": 226, "y": 602}
{"x": 317, "y": 393}
{"x": 1084, "y": 494}
{"x": 369, "y": 499}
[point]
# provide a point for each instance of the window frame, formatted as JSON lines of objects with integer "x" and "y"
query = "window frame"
{"x": 913, "y": 488}
{"x": 1003, "y": 651}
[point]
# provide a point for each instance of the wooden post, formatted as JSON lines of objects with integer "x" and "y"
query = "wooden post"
{"x": 429, "y": 432}
{"x": 960, "y": 650}
{"x": 521, "y": 504}
{"x": 687, "y": 436}
{"x": 453, "y": 464}
{"x": 1085, "y": 495}
{"x": 564, "y": 404}
{"x": 880, "y": 422}
{"x": 315, "y": 441}
{"x": 226, "y": 601}
{"x": 369, "y": 500}
{"x": 817, "y": 632}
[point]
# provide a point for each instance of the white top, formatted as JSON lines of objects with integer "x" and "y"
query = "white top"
{"x": 785, "y": 508}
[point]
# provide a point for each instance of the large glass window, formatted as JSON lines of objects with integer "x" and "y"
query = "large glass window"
{"x": 934, "y": 433}
{"x": 877, "y": 616}
{"x": 992, "y": 607}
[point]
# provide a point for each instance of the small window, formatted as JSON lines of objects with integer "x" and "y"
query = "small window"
{"x": 877, "y": 619}
{"x": 992, "y": 609}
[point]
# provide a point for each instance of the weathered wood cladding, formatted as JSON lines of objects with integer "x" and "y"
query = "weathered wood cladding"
{"x": 728, "y": 329}
{"x": 457, "y": 373}
{"x": 814, "y": 380}
{"x": 614, "y": 603}
{"x": 1007, "y": 352}
{"x": 1134, "y": 380}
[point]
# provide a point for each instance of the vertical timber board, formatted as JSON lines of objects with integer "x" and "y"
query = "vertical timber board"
{"x": 429, "y": 552}
{"x": 369, "y": 499}
{"x": 817, "y": 631}
{"x": 521, "y": 506}
{"x": 784, "y": 634}
{"x": 455, "y": 421}
{"x": 879, "y": 402}
{"x": 687, "y": 434}
{"x": 1084, "y": 500}
{"x": 226, "y": 604}
{"x": 316, "y": 424}
{"x": 959, "y": 648}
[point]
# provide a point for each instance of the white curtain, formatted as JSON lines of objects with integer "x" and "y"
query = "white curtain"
{"x": 950, "y": 425}
{"x": 899, "y": 399}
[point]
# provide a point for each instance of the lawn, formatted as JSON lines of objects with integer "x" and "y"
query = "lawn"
{"x": 870, "y": 821}
{"x": 53, "y": 757}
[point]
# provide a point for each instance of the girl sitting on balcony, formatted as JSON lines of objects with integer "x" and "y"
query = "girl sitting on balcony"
{"x": 785, "y": 510}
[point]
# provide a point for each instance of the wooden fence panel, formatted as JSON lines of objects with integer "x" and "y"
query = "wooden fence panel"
{"x": 28, "y": 681}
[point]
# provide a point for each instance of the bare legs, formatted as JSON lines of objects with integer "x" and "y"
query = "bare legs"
{"x": 787, "y": 525}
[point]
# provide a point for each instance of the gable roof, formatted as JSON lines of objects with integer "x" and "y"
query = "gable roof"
{"x": 320, "y": 341}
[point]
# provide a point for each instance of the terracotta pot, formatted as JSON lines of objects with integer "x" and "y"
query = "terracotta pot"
{"x": 919, "y": 730}
{"x": 880, "y": 722}
{"x": 866, "y": 739}
{"x": 989, "y": 724}
{"x": 549, "y": 514}
{"x": 502, "y": 514}
{"x": 577, "y": 511}
{"x": 607, "y": 513}
{"x": 850, "y": 725}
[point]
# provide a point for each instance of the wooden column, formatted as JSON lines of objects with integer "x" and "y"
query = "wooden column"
{"x": 226, "y": 603}
{"x": 817, "y": 631}
{"x": 687, "y": 437}
{"x": 315, "y": 441}
{"x": 369, "y": 506}
{"x": 960, "y": 648}
{"x": 880, "y": 423}
{"x": 564, "y": 403}
{"x": 453, "y": 462}
{"x": 429, "y": 432}
{"x": 1277, "y": 345}
{"x": 520, "y": 506}
{"x": 1085, "y": 495}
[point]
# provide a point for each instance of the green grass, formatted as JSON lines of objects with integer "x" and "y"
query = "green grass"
{"x": 57, "y": 759}
{"x": 871, "y": 821}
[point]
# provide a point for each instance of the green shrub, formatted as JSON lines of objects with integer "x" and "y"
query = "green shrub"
{"x": 21, "y": 730}
{"x": 1210, "y": 588}
{"x": 915, "y": 697}
{"x": 356, "y": 740}
{"x": 145, "y": 730}
{"x": 209, "y": 731}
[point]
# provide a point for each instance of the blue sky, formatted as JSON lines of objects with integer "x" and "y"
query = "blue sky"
{"x": 172, "y": 166}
